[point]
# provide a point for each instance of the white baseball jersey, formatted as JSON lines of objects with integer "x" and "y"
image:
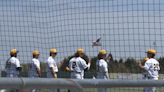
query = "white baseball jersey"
{"x": 11, "y": 66}
{"x": 50, "y": 63}
{"x": 33, "y": 64}
{"x": 102, "y": 72}
{"x": 101, "y": 67}
{"x": 77, "y": 64}
{"x": 152, "y": 67}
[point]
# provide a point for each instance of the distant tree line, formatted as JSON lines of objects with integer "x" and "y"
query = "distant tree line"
{"x": 115, "y": 66}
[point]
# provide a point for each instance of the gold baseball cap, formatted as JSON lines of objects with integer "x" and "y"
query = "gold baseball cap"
{"x": 102, "y": 52}
{"x": 151, "y": 51}
{"x": 13, "y": 51}
{"x": 80, "y": 51}
{"x": 53, "y": 51}
{"x": 35, "y": 53}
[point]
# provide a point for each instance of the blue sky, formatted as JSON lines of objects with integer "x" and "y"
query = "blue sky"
{"x": 128, "y": 28}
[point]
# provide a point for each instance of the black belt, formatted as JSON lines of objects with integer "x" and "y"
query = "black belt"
{"x": 75, "y": 71}
{"x": 150, "y": 77}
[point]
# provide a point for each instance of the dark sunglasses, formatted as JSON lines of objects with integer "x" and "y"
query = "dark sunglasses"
{"x": 36, "y": 55}
{"x": 55, "y": 53}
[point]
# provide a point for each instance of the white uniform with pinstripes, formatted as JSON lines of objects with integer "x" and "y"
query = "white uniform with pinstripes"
{"x": 32, "y": 72}
{"x": 152, "y": 67}
{"x": 11, "y": 67}
{"x": 102, "y": 72}
{"x": 50, "y": 63}
{"x": 77, "y": 66}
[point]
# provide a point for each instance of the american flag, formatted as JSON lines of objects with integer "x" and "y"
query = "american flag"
{"x": 96, "y": 43}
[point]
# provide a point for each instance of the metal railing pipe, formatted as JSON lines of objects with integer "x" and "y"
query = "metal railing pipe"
{"x": 107, "y": 83}
{"x": 39, "y": 83}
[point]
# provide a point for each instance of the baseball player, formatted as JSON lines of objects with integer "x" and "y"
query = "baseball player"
{"x": 13, "y": 64}
{"x": 152, "y": 67}
{"x": 102, "y": 68}
{"x": 77, "y": 65}
{"x": 34, "y": 68}
{"x": 51, "y": 66}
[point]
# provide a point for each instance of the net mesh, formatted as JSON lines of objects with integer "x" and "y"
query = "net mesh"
{"x": 127, "y": 29}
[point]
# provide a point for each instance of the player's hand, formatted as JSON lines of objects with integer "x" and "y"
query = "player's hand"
{"x": 139, "y": 62}
{"x": 61, "y": 63}
{"x": 39, "y": 76}
{"x": 89, "y": 60}
{"x": 109, "y": 57}
{"x": 67, "y": 69}
{"x": 55, "y": 76}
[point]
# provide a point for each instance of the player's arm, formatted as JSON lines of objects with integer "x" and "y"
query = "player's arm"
{"x": 61, "y": 63}
{"x": 18, "y": 65}
{"x": 89, "y": 63}
{"x": 38, "y": 68}
{"x": 51, "y": 65}
{"x": 67, "y": 68}
{"x": 53, "y": 72}
{"x": 86, "y": 66}
{"x": 140, "y": 65}
{"x": 38, "y": 72}
{"x": 105, "y": 66}
{"x": 108, "y": 59}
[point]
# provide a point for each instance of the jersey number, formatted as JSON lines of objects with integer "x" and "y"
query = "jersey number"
{"x": 73, "y": 64}
{"x": 155, "y": 67}
{"x": 30, "y": 66}
{"x": 8, "y": 64}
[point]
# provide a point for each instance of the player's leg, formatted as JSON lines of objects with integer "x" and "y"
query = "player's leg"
{"x": 10, "y": 75}
{"x": 51, "y": 76}
{"x": 145, "y": 88}
{"x": 153, "y": 88}
{"x": 101, "y": 89}
{"x": 32, "y": 90}
{"x": 78, "y": 76}
{"x": 73, "y": 75}
{"x": 15, "y": 75}
{"x": 52, "y": 90}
